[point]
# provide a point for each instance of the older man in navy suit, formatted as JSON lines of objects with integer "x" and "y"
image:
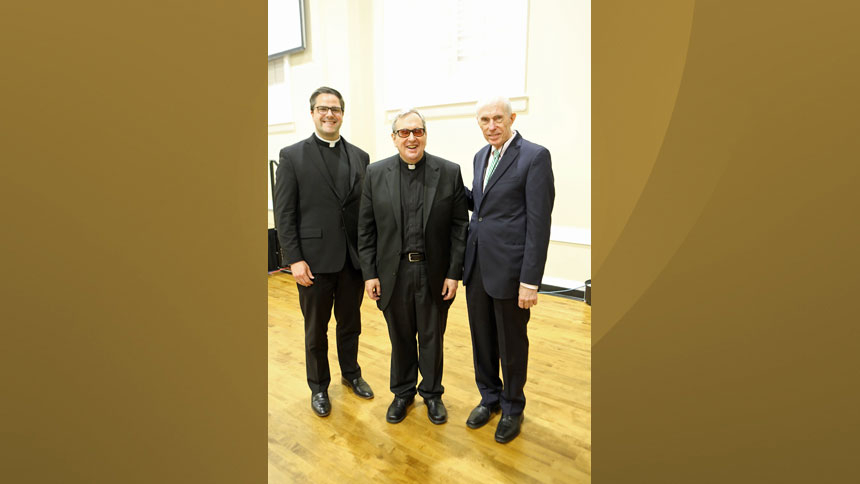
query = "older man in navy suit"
{"x": 511, "y": 201}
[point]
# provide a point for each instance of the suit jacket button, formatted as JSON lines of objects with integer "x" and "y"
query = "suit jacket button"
{"x": 480, "y": 219}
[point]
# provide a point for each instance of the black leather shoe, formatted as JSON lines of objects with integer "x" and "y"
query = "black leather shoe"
{"x": 509, "y": 428}
{"x": 436, "y": 410}
{"x": 359, "y": 387}
{"x": 397, "y": 409}
{"x": 320, "y": 404}
{"x": 481, "y": 415}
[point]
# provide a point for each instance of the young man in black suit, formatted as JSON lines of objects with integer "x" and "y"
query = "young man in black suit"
{"x": 511, "y": 201}
{"x": 411, "y": 239}
{"x": 316, "y": 199}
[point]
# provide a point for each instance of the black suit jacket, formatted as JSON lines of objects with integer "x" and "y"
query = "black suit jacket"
{"x": 314, "y": 222}
{"x": 511, "y": 218}
{"x": 445, "y": 222}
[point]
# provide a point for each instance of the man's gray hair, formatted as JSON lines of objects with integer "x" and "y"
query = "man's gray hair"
{"x": 494, "y": 100}
{"x": 406, "y": 112}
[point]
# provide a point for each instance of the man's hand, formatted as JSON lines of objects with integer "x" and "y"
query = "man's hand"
{"x": 528, "y": 297}
{"x": 302, "y": 273}
{"x": 373, "y": 289}
{"x": 449, "y": 289}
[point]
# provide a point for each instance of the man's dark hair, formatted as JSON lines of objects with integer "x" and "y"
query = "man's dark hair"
{"x": 326, "y": 90}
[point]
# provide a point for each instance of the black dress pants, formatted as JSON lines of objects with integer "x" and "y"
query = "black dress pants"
{"x": 342, "y": 290}
{"x": 412, "y": 311}
{"x": 499, "y": 333}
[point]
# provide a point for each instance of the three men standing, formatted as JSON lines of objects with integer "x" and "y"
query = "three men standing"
{"x": 511, "y": 201}
{"x": 316, "y": 200}
{"x": 400, "y": 232}
{"x": 411, "y": 241}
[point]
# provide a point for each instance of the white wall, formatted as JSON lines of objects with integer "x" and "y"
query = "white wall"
{"x": 344, "y": 51}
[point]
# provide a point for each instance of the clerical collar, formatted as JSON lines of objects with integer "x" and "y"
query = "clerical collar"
{"x": 331, "y": 144}
{"x": 411, "y": 166}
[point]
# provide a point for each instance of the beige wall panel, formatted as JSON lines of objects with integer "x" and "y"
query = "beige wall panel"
{"x": 345, "y": 52}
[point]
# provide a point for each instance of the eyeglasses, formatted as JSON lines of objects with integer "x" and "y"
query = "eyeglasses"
{"x": 484, "y": 121}
{"x": 324, "y": 109}
{"x": 404, "y": 133}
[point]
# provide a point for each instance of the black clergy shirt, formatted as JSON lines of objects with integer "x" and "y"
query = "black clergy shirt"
{"x": 337, "y": 164}
{"x": 412, "y": 206}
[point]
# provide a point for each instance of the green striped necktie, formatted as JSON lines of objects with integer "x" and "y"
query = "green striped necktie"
{"x": 493, "y": 164}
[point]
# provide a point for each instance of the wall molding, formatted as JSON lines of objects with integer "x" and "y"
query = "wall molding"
{"x": 570, "y": 234}
{"x": 282, "y": 128}
{"x": 456, "y": 110}
{"x": 564, "y": 283}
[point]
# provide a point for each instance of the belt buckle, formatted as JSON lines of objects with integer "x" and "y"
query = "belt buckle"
{"x": 416, "y": 254}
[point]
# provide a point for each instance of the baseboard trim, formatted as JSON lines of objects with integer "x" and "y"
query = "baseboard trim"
{"x": 577, "y": 294}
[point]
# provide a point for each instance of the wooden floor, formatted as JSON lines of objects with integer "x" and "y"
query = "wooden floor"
{"x": 356, "y": 444}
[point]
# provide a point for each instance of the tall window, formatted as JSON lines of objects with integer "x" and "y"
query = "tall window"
{"x": 280, "y": 107}
{"x": 449, "y": 51}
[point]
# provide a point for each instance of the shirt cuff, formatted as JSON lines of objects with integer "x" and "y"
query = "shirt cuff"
{"x": 528, "y": 286}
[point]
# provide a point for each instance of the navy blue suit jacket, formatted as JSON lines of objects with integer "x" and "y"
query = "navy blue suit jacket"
{"x": 511, "y": 218}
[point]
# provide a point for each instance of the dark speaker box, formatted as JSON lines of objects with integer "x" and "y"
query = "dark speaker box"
{"x": 274, "y": 251}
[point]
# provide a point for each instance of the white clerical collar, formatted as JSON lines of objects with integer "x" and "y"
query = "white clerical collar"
{"x": 330, "y": 143}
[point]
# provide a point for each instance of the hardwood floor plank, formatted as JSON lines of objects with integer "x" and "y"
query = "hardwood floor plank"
{"x": 356, "y": 444}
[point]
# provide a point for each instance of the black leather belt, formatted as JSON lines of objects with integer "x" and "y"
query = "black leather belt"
{"x": 414, "y": 256}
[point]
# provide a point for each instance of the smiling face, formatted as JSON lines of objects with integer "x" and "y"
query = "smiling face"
{"x": 411, "y": 148}
{"x": 495, "y": 123}
{"x": 328, "y": 124}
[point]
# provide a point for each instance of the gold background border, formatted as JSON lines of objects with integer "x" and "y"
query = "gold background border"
{"x": 725, "y": 170}
{"x": 725, "y": 230}
{"x": 134, "y": 287}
